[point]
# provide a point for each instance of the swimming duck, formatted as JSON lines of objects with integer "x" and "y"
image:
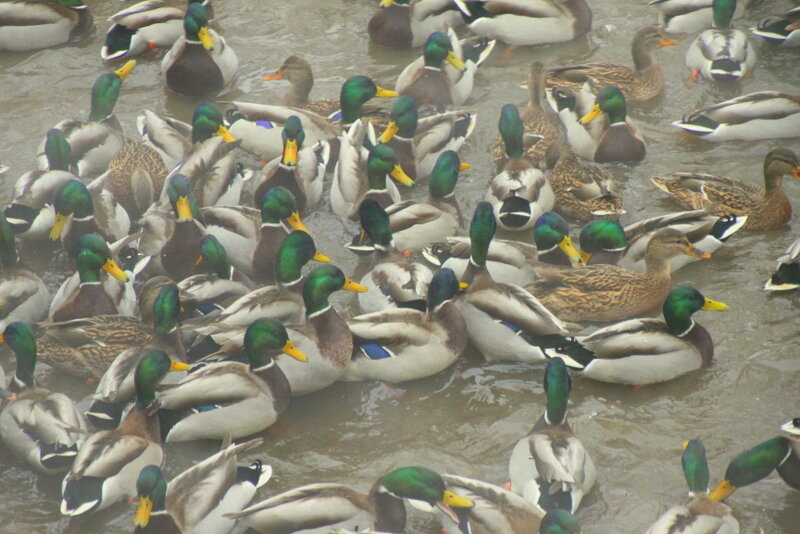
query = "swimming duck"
{"x": 787, "y": 274}
{"x": 231, "y": 398}
{"x": 550, "y": 467}
{"x": 650, "y": 351}
{"x": 751, "y": 117}
{"x": 604, "y": 241}
{"x": 520, "y": 23}
{"x": 89, "y": 297}
{"x": 689, "y": 16}
{"x": 766, "y": 208}
{"x": 581, "y": 191}
{"x": 31, "y": 26}
{"x": 418, "y": 143}
{"x": 108, "y": 463}
{"x": 392, "y": 281}
{"x": 22, "y": 292}
{"x": 642, "y": 83}
{"x": 504, "y": 321}
{"x": 301, "y": 169}
{"x": 721, "y": 53}
{"x": 198, "y": 499}
{"x": 318, "y": 507}
{"x": 611, "y": 293}
{"x": 94, "y": 142}
{"x": 700, "y": 514}
{"x": 520, "y": 193}
{"x": 407, "y": 24}
{"x": 781, "y": 30}
{"x": 397, "y": 345}
{"x": 361, "y": 173}
{"x": 200, "y": 63}
{"x": 43, "y": 427}
{"x": 553, "y": 243}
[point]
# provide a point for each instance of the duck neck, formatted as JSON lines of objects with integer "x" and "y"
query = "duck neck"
{"x": 642, "y": 57}
{"x": 656, "y": 265}
{"x": 300, "y": 88}
{"x": 390, "y": 512}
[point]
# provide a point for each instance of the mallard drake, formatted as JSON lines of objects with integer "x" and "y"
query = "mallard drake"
{"x": 418, "y": 143}
{"x": 603, "y": 241}
{"x": 721, "y": 53}
{"x": 781, "y": 30}
{"x": 504, "y": 321}
{"x": 31, "y": 26}
{"x": 200, "y": 63}
{"x": 333, "y": 506}
{"x": 22, "y": 293}
{"x": 301, "y": 169}
{"x": 700, "y": 514}
{"x": 231, "y": 398}
{"x": 361, "y": 173}
{"x": 553, "y": 243}
{"x": 540, "y": 132}
{"x": 520, "y": 193}
{"x": 766, "y": 208}
{"x": 551, "y": 456}
{"x": 787, "y": 274}
{"x": 689, "y": 16}
{"x": 89, "y": 297}
{"x": 401, "y": 344}
{"x": 649, "y": 351}
{"x": 611, "y": 293}
{"x": 642, "y": 83}
{"x": 750, "y": 466}
{"x": 615, "y": 138}
{"x": 108, "y": 463}
{"x": 392, "y": 281}
{"x": 445, "y": 73}
{"x": 581, "y": 191}
{"x": 198, "y": 499}
{"x": 94, "y": 142}
{"x": 521, "y": 23}
{"x": 761, "y": 115}
{"x": 407, "y": 24}
{"x": 43, "y": 427}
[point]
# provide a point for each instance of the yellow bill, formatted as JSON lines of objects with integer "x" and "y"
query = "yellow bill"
{"x": 320, "y": 257}
{"x": 390, "y": 131}
{"x": 178, "y": 366}
{"x": 386, "y": 93}
{"x": 184, "y": 209}
{"x": 386, "y": 3}
{"x": 290, "y": 152}
{"x": 290, "y": 350}
{"x": 714, "y": 305}
{"x": 592, "y": 115}
{"x": 296, "y": 223}
{"x": 126, "y": 69}
{"x": 142, "y": 517}
{"x": 585, "y": 256}
{"x": 724, "y": 489}
{"x": 111, "y": 267}
{"x": 205, "y": 38}
{"x": 796, "y": 172}
{"x": 400, "y": 175}
{"x": 58, "y": 226}
{"x": 455, "y": 61}
{"x": 456, "y": 501}
{"x": 569, "y": 249}
{"x": 355, "y": 287}
{"x": 464, "y": 166}
{"x": 223, "y": 132}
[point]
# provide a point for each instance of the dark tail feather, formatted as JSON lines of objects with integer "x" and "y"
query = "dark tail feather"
{"x": 105, "y": 415}
{"x": 56, "y": 456}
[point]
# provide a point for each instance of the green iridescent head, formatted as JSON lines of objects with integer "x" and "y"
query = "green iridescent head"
{"x": 264, "y": 339}
{"x": 443, "y": 287}
{"x": 20, "y": 339}
{"x": 404, "y": 115}
{"x": 213, "y": 253}
{"x": 206, "y": 122}
{"x": 558, "y": 521}
{"x": 152, "y": 367}
{"x": 57, "y": 150}
{"x": 94, "y": 255}
{"x": 549, "y": 230}
{"x": 722, "y": 12}
{"x": 380, "y": 162}
{"x": 511, "y": 130}
{"x": 602, "y": 235}
{"x": 321, "y": 283}
{"x": 166, "y": 308}
{"x": 73, "y": 198}
{"x": 695, "y": 466}
{"x": 420, "y": 484}
{"x": 179, "y": 190}
{"x": 151, "y": 488}
{"x": 296, "y": 250}
{"x": 105, "y": 92}
{"x": 277, "y": 205}
{"x": 681, "y": 303}
{"x": 439, "y": 49}
{"x": 481, "y": 232}
{"x": 557, "y": 385}
{"x": 195, "y": 24}
{"x": 375, "y": 222}
{"x": 293, "y": 137}
{"x": 752, "y": 465}
{"x": 356, "y": 91}
{"x": 611, "y": 101}
{"x": 444, "y": 175}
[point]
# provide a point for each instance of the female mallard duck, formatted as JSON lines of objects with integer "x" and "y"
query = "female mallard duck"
{"x": 642, "y": 83}
{"x": 230, "y": 398}
{"x": 259, "y": 126}
{"x": 200, "y": 63}
{"x": 721, "y": 53}
{"x": 407, "y": 24}
{"x": 611, "y": 293}
{"x": 649, "y": 351}
{"x": 326, "y": 507}
{"x": 504, "y": 321}
{"x": 752, "y": 117}
{"x": 44, "y": 428}
{"x": 614, "y": 138}
{"x": 418, "y": 143}
{"x": 392, "y": 281}
{"x": 198, "y": 499}
{"x": 144, "y": 26}
{"x": 787, "y": 274}
{"x": 540, "y": 132}
{"x": 109, "y": 462}
{"x": 766, "y": 208}
{"x": 23, "y": 295}
{"x": 781, "y": 30}
{"x": 89, "y": 297}
{"x": 361, "y": 173}
{"x": 551, "y": 456}
{"x": 520, "y": 193}
{"x": 700, "y": 514}
{"x": 581, "y": 191}
{"x": 32, "y": 26}
{"x": 521, "y": 23}
{"x": 94, "y": 142}
{"x": 689, "y": 16}
{"x": 301, "y": 169}
{"x": 401, "y": 344}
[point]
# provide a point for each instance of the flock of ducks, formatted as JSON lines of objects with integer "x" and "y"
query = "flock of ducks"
{"x": 191, "y": 309}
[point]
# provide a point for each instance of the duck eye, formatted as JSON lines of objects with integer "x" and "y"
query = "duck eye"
{"x": 796, "y": 422}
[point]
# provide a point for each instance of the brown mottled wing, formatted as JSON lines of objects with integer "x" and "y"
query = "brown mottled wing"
{"x": 586, "y": 279}
{"x": 721, "y": 195}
